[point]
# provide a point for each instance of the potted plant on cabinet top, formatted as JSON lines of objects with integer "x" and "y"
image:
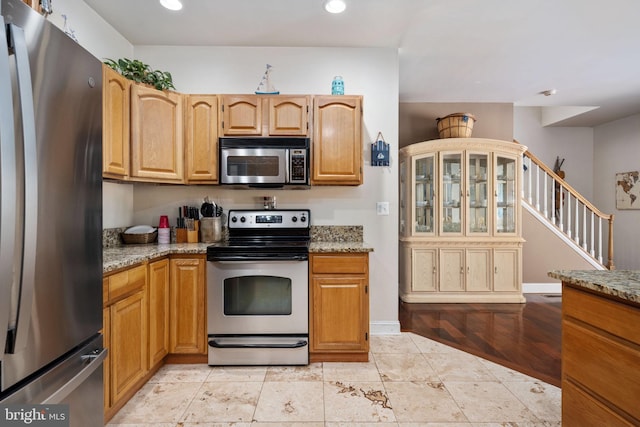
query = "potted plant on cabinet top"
{"x": 140, "y": 72}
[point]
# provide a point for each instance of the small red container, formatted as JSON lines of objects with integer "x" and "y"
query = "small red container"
{"x": 164, "y": 222}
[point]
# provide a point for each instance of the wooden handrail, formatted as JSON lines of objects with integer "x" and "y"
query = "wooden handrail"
{"x": 566, "y": 185}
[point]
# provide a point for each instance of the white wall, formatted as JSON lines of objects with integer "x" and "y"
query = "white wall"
{"x": 92, "y": 32}
{"x": 574, "y": 144}
{"x": 372, "y": 73}
{"x": 617, "y": 149}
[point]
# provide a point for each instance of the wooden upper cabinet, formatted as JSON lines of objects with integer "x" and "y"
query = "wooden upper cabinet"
{"x": 264, "y": 115}
{"x": 288, "y": 115}
{"x": 337, "y": 141}
{"x": 156, "y": 135}
{"x": 241, "y": 115}
{"x": 201, "y": 139}
{"x": 116, "y": 93}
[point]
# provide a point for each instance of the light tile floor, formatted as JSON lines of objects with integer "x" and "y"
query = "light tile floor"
{"x": 410, "y": 381}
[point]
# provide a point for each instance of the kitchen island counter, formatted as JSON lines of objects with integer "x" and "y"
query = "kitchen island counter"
{"x": 600, "y": 347}
{"x": 624, "y": 284}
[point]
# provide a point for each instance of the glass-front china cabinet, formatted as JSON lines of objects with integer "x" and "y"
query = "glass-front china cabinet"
{"x": 460, "y": 213}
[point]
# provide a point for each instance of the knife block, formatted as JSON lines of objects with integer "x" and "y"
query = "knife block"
{"x": 181, "y": 235}
{"x": 192, "y": 235}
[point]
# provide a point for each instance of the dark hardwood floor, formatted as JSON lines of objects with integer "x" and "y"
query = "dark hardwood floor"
{"x": 524, "y": 337}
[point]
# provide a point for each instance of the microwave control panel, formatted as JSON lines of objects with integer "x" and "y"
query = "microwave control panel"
{"x": 298, "y": 166}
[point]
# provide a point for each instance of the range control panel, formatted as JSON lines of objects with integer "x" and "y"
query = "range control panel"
{"x": 289, "y": 218}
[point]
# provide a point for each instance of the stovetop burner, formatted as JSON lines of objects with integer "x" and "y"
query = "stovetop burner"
{"x": 258, "y": 235}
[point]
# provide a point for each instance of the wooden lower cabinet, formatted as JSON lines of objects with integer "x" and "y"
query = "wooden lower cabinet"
{"x": 187, "y": 308}
{"x": 128, "y": 343}
{"x": 600, "y": 359}
{"x": 125, "y": 336}
{"x": 158, "y": 297}
{"x": 339, "y": 307}
{"x": 153, "y": 313}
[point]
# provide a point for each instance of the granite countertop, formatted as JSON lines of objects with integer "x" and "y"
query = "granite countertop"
{"x": 348, "y": 247}
{"x": 624, "y": 284}
{"x": 118, "y": 257}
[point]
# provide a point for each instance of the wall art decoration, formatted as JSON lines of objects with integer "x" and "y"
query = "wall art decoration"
{"x": 628, "y": 190}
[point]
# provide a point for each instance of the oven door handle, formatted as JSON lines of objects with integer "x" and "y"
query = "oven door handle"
{"x": 252, "y": 259}
{"x": 297, "y": 344}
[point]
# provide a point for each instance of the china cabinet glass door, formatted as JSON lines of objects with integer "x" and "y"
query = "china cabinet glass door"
{"x": 424, "y": 175}
{"x": 477, "y": 191}
{"x": 505, "y": 172}
{"x": 451, "y": 196}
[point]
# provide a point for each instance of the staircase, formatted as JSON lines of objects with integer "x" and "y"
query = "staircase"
{"x": 567, "y": 213}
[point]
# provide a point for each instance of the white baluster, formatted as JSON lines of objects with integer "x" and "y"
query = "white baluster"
{"x": 577, "y": 224}
{"x": 530, "y": 179}
{"x": 568, "y": 210}
{"x": 538, "y": 188}
{"x": 584, "y": 227}
{"x": 553, "y": 201}
{"x": 546, "y": 212}
{"x": 592, "y": 251}
{"x": 600, "y": 239}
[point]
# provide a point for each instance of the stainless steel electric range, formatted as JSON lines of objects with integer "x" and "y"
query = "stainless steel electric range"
{"x": 258, "y": 290}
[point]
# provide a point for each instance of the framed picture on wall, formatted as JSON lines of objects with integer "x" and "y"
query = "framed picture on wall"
{"x": 628, "y": 190}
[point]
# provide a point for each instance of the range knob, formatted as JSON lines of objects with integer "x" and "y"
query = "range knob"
{"x": 243, "y": 219}
{"x": 294, "y": 219}
{"x": 303, "y": 218}
{"x": 234, "y": 219}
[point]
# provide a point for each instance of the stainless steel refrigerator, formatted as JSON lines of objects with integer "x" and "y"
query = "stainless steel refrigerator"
{"x": 50, "y": 218}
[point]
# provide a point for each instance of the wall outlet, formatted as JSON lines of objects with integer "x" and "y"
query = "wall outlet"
{"x": 382, "y": 208}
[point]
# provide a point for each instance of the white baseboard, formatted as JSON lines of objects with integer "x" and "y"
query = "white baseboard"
{"x": 542, "y": 288}
{"x": 385, "y": 328}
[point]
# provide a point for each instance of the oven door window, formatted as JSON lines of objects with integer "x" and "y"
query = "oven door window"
{"x": 257, "y": 296}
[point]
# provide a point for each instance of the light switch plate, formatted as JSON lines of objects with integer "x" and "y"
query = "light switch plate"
{"x": 382, "y": 208}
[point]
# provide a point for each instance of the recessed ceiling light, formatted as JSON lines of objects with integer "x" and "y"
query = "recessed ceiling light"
{"x": 171, "y": 4}
{"x": 335, "y": 6}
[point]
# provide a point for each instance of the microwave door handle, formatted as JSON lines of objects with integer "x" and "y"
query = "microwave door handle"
{"x": 287, "y": 166}
{"x": 8, "y": 188}
{"x": 23, "y": 71}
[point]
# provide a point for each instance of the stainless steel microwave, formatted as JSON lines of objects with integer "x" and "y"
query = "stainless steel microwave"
{"x": 264, "y": 162}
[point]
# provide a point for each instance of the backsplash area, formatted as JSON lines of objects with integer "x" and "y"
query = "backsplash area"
{"x": 319, "y": 233}
{"x": 111, "y": 237}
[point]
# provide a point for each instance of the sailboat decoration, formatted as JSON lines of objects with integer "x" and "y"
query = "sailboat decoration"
{"x": 265, "y": 86}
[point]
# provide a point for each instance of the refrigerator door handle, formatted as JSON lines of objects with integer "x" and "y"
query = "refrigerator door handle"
{"x": 23, "y": 71}
{"x": 96, "y": 359}
{"x": 8, "y": 188}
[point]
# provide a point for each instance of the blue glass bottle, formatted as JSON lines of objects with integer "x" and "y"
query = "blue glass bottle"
{"x": 337, "y": 86}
